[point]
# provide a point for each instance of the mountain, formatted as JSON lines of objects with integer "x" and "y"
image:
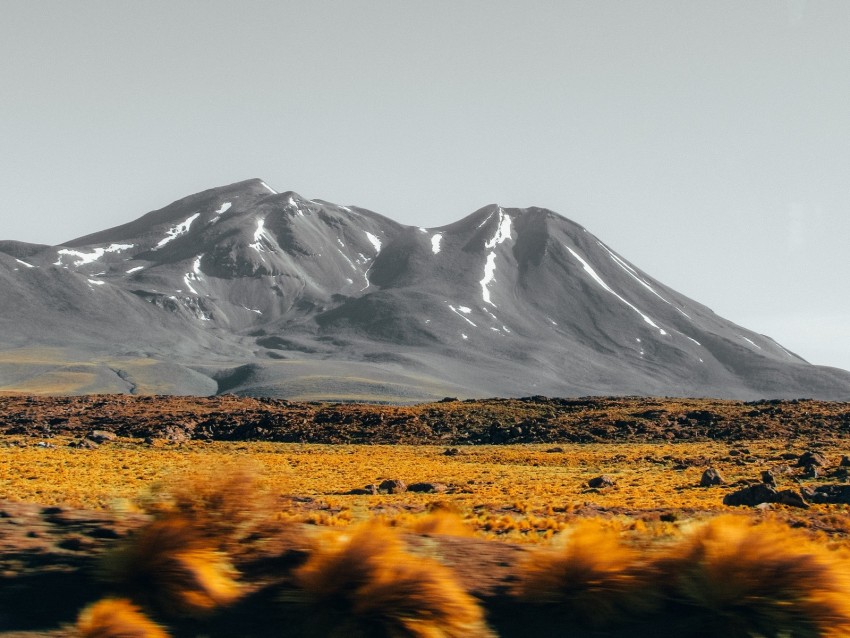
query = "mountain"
{"x": 246, "y": 290}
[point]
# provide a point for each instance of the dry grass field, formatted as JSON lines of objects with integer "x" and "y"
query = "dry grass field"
{"x": 524, "y": 493}
{"x": 139, "y": 517}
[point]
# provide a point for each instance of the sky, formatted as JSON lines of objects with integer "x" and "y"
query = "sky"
{"x": 708, "y": 142}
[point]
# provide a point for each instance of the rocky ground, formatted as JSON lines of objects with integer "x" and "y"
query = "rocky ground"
{"x": 451, "y": 422}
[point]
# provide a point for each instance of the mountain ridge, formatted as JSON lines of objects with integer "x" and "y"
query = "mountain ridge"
{"x": 245, "y": 289}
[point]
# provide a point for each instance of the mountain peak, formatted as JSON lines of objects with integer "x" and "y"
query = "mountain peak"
{"x": 306, "y": 298}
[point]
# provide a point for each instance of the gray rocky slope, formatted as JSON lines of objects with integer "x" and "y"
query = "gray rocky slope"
{"x": 243, "y": 289}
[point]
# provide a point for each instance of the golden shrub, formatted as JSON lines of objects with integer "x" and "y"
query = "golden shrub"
{"x": 594, "y": 579}
{"x": 222, "y": 504}
{"x": 376, "y": 588}
{"x": 116, "y": 618}
{"x": 169, "y": 564}
{"x": 441, "y": 521}
{"x": 733, "y": 578}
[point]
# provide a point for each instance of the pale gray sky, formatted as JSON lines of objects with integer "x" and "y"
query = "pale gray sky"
{"x": 706, "y": 141}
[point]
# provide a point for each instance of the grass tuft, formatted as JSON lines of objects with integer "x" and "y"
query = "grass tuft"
{"x": 116, "y": 618}
{"x": 223, "y": 505}
{"x": 368, "y": 585}
{"x": 168, "y": 564}
{"x": 733, "y": 578}
{"x": 593, "y": 580}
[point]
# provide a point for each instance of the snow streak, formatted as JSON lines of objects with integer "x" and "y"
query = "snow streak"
{"x": 175, "y": 231}
{"x": 503, "y": 233}
{"x": 590, "y": 271}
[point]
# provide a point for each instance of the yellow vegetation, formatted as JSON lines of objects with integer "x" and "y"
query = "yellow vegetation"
{"x": 371, "y": 586}
{"x": 171, "y": 565}
{"x": 116, "y": 618}
{"x": 594, "y": 579}
{"x": 733, "y": 578}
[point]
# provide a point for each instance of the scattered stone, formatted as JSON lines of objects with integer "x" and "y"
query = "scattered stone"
{"x": 711, "y": 477}
{"x": 84, "y": 444}
{"x": 751, "y": 496}
{"x": 830, "y": 493}
{"x": 428, "y": 488}
{"x": 370, "y": 490}
{"x": 791, "y": 498}
{"x": 768, "y": 478}
{"x": 808, "y": 459}
{"x": 601, "y": 481}
{"x": 555, "y": 450}
{"x": 101, "y": 436}
{"x": 452, "y": 451}
{"x": 810, "y": 472}
{"x": 392, "y": 486}
{"x": 789, "y": 456}
{"x": 845, "y": 461}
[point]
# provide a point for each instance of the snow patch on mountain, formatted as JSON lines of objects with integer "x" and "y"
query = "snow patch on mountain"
{"x": 82, "y": 258}
{"x": 502, "y": 234}
{"x": 435, "y": 243}
{"x": 750, "y": 341}
{"x": 175, "y": 231}
{"x": 260, "y": 235}
{"x": 223, "y": 208}
{"x": 589, "y": 270}
{"x": 460, "y": 313}
{"x": 374, "y": 241}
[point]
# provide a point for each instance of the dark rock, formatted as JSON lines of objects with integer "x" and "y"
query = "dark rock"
{"x": 429, "y": 488}
{"x": 555, "y": 450}
{"x": 452, "y": 451}
{"x": 810, "y": 472}
{"x": 392, "y": 486}
{"x": 831, "y": 493}
{"x": 711, "y": 477}
{"x": 845, "y": 461}
{"x": 808, "y": 459}
{"x": 768, "y": 478}
{"x": 601, "y": 481}
{"x": 789, "y": 456}
{"x": 791, "y": 498}
{"x": 751, "y": 496}
{"x": 85, "y": 444}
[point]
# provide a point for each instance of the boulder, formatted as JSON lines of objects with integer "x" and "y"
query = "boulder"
{"x": 711, "y": 477}
{"x": 751, "y": 496}
{"x": 830, "y": 493}
{"x": 791, "y": 498}
{"x": 428, "y": 488}
{"x": 392, "y": 486}
{"x": 370, "y": 489}
{"x": 808, "y": 459}
{"x": 601, "y": 481}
